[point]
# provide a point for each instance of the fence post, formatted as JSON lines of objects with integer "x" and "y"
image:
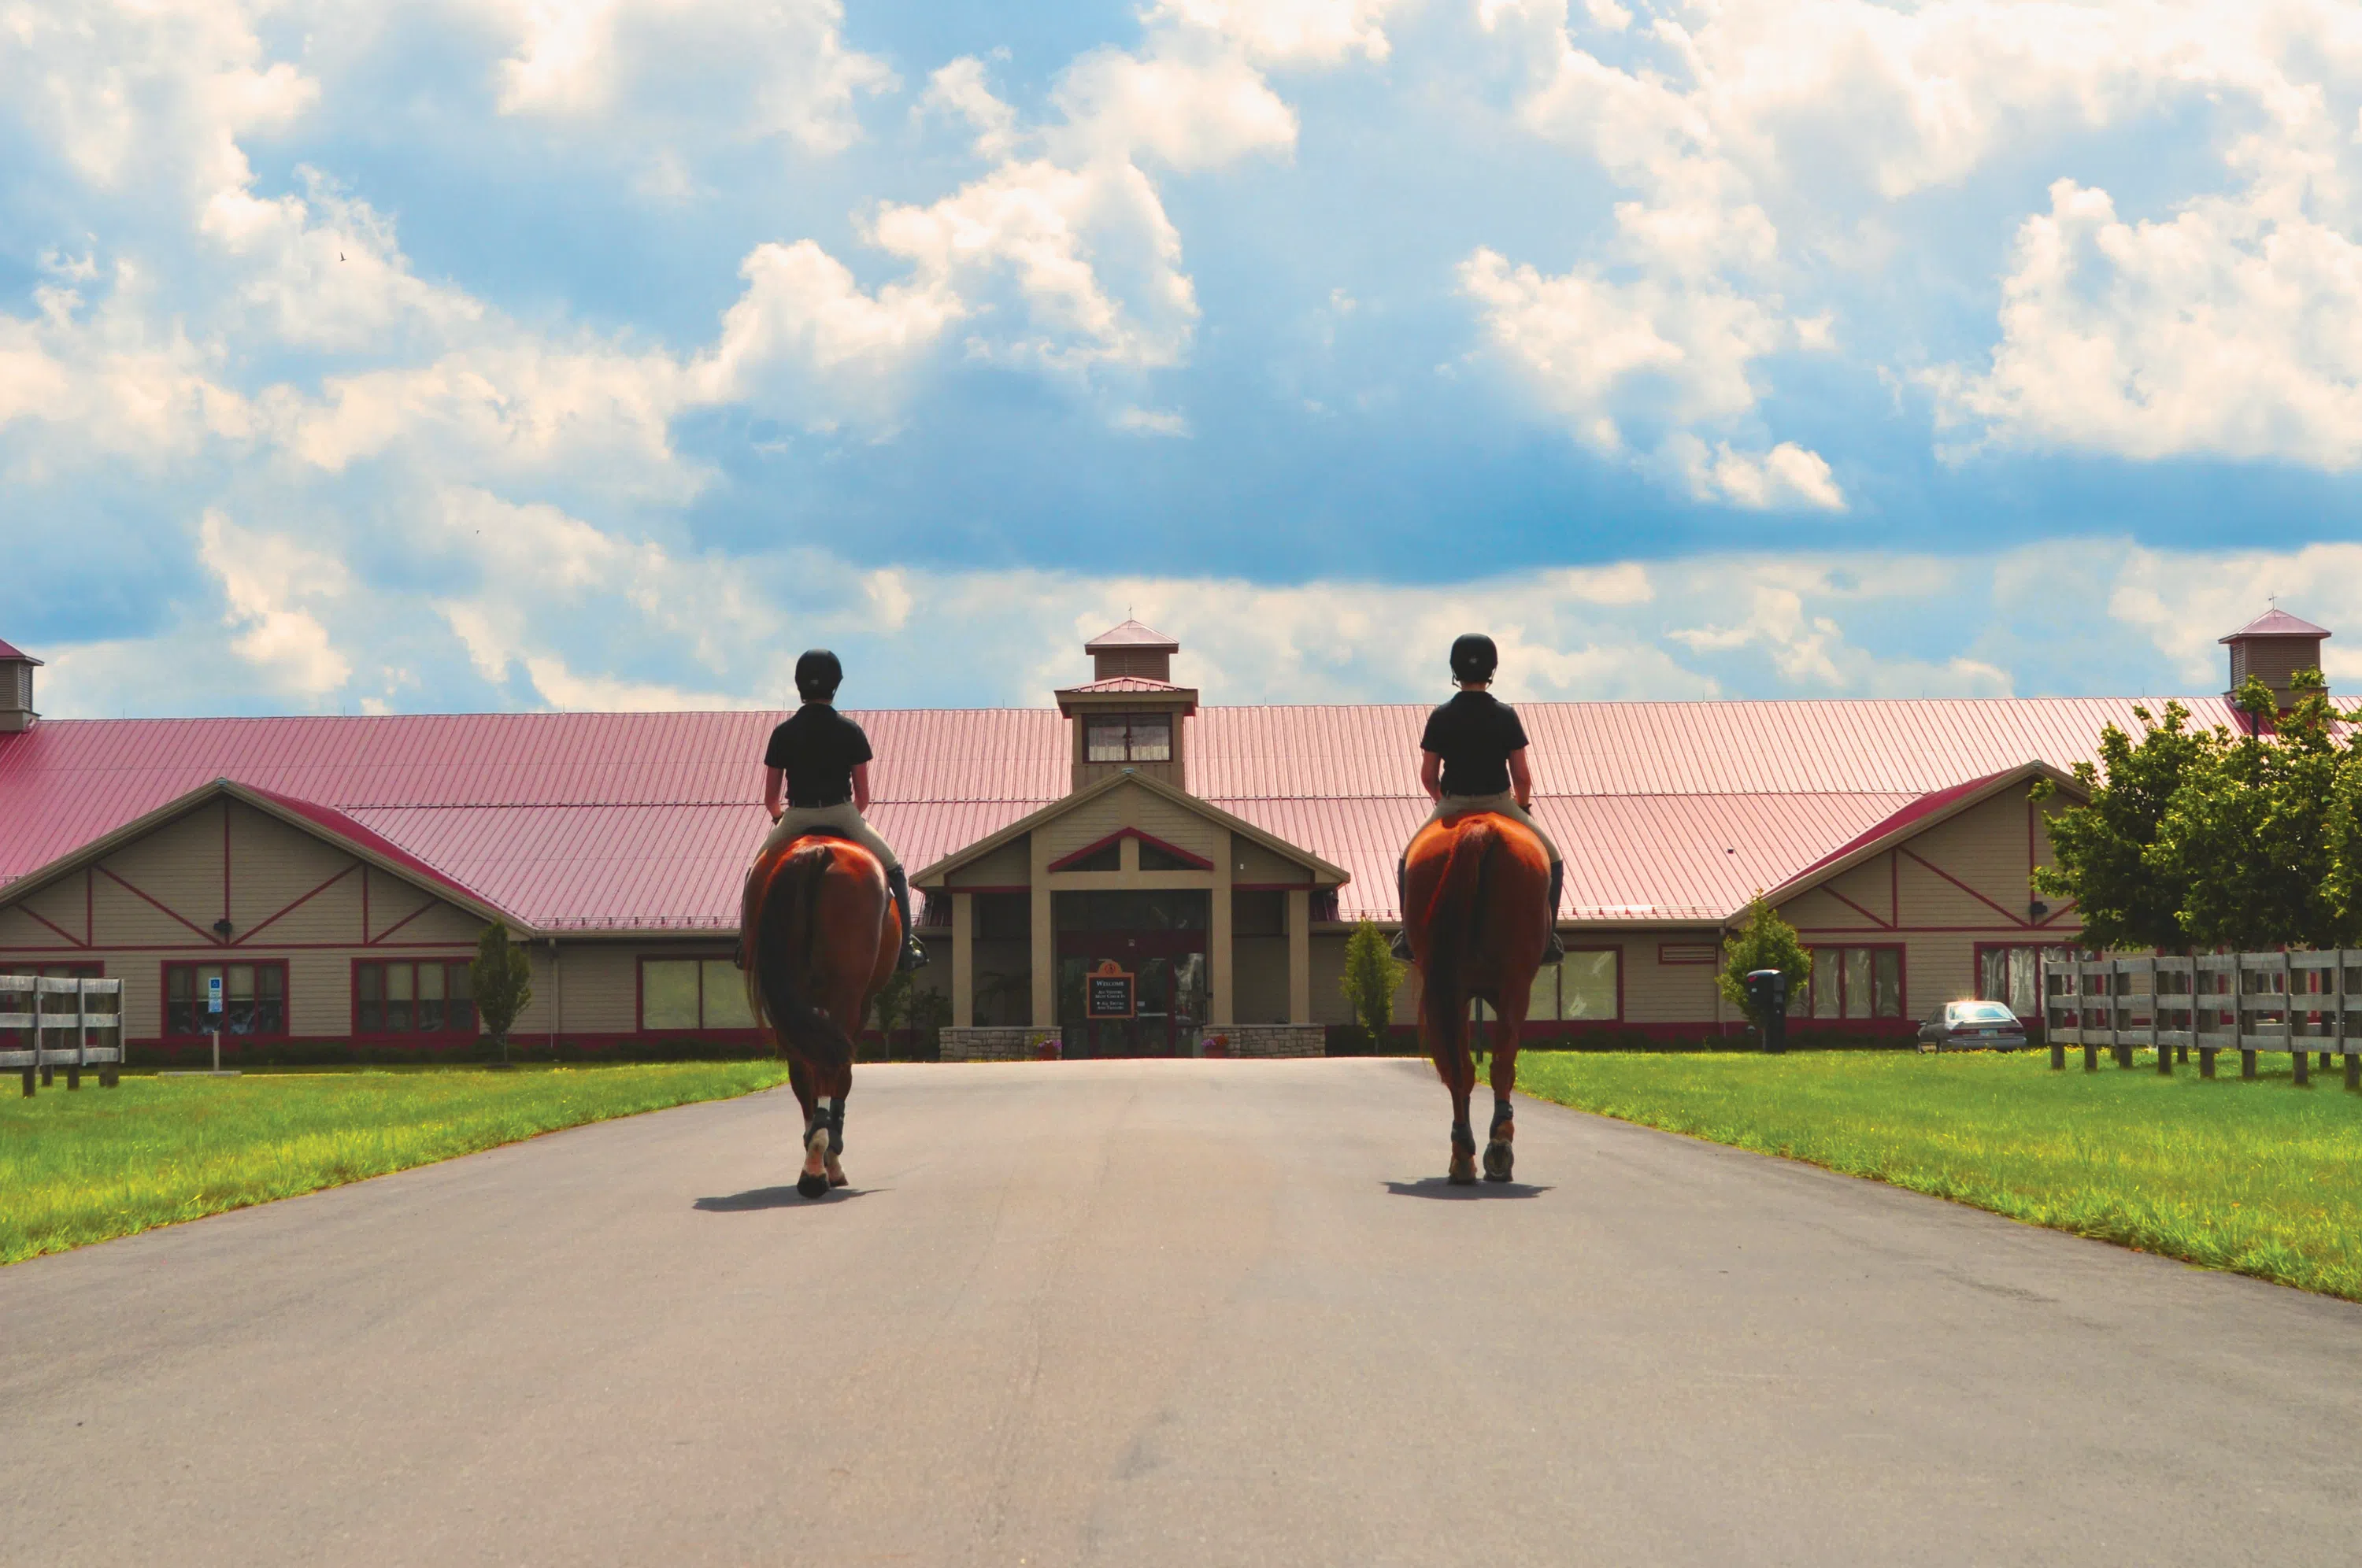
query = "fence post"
{"x": 2163, "y": 1052}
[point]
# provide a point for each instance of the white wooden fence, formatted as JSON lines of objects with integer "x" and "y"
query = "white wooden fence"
{"x": 2306, "y": 1004}
{"x": 39, "y": 1057}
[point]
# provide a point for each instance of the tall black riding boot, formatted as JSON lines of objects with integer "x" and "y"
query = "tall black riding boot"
{"x": 1552, "y": 949}
{"x": 1402, "y": 932}
{"x": 913, "y": 955}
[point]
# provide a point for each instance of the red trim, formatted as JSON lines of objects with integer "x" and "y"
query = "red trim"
{"x": 2018, "y": 921}
{"x": 225, "y": 914}
{"x": 1881, "y": 924}
{"x": 365, "y": 902}
{"x": 53, "y": 925}
{"x": 1275, "y": 887}
{"x": 164, "y": 998}
{"x": 89, "y": 908}
{"x": 1012, "y": 888}
{"x": 291, "y": 909}
{"x": 213, "y": 939}
{"x": 1196, "y": 862}
{"x": 406, "y": 920}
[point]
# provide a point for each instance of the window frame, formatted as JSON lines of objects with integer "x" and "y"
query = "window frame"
{"x": 1132, "y": 750}
{"x": 473, "y": 1031}
{"x": 640, "y": 963}
{"x": 164, "y": 1031}
{"x": 1902, "y": 1013}
{"x": 1558, "y": 1019}
{"x": 1977, "y": 971}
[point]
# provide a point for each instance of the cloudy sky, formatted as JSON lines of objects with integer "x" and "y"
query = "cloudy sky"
{"x": 606, "y": 353}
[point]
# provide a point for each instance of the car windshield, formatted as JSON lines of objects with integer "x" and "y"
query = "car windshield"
{"x": 1981, "y": 1012}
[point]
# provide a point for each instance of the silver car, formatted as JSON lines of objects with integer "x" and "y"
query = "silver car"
{"x": 1972, "y": 1026}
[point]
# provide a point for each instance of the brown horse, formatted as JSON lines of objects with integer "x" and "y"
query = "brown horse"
{"x": 1474, "y": 900}
{"x": 820, "y": 938}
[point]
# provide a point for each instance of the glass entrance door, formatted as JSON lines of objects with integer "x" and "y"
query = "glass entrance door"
{"x": 1156, "y": 935}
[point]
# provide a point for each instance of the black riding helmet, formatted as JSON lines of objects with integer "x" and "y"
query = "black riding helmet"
{"x": 817, "y": 675}
{"x": 1474, "y": 657}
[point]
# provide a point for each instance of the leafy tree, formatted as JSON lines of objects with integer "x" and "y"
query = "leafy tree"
{"x": 1373, "y": 975}
{"x": 1763, "y": 941}
{"x": 930, "y": 1010}
{"x": 502, "y": 979}
{"x": 2126, "y": 897}
{"x": 2250, "y": 841}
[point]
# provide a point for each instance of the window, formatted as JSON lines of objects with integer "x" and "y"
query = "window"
{"x": 1582, "y": 986}
{"x": 1853, "y": 982}
{"x": 1128, "y": 738}
{"x": 254, "y": 998}
{"x": 57, "y": 1006}
{"x": 692, "y": 993}
{"x": 2010, "y": 974}
{"x": 424, "y": 996}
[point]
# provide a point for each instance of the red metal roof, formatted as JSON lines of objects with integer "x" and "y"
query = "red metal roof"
{"x": 8, "y": 653}
{"x": 1132, "y": 635}
{"x": 1124, "y": 683}
{"x": 2275, "y": 623}
{"x": 647, "y": 820}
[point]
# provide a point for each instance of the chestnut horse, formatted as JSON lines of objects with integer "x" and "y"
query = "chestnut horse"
{"x": 1473, "y": 901}
{"x": 820, "y": 938}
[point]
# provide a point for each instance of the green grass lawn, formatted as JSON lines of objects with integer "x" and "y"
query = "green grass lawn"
{"x": 88, "y": 1165}
{"x": 2261, "y": 1177}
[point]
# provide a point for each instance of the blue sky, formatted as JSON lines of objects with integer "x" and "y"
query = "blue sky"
{"x": 605, "y": 354}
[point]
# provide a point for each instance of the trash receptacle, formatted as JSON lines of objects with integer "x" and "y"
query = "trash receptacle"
{"x": 1768, "y": 990}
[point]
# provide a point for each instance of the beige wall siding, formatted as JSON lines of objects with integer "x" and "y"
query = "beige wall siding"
{"x": 272, "y": 865}
{"x": 1986, "y": 847}
{"x": 180, "y": 866}
{"x": 1251, "y": 862}
{"x": 1261, "y": 993}
{"x": 1663, "y": 993}
{"x": 1127, "y": 806}
{"x": 1006, "y": 867}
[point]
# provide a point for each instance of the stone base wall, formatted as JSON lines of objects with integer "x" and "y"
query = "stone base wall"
{"x": 999, "y": 1044}
{"x": 1269, "y": 1040}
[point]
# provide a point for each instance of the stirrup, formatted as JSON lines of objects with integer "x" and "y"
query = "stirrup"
{"x": 1401, "y": 946}
{"x": 1553, "y": 950}
{"x": 913, "y": 957}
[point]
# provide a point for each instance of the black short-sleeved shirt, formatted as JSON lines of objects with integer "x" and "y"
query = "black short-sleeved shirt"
{"x": 818, "y": 749}
{"x": 1474, "y": 734}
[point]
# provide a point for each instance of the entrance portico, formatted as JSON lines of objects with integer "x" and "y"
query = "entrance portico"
{"x": 1132, "y": 869}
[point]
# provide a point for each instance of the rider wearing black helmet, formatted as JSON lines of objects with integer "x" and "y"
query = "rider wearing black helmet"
{"x": 1473, "y": 758}
{"x": 821, "y": 759}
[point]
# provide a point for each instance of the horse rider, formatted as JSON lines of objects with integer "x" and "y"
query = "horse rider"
{"x": 821, "y": 759}
{"x": 1473, "y": 758}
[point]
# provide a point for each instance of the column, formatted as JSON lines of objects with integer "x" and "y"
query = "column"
{"x": 1219, "y": 952}
{"x": 1299, "y": 955}
{"x": 1044, "y": 937}
{"x": 963, "y": 960}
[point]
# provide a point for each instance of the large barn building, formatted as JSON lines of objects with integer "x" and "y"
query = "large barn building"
{"x": 334, "y": 873}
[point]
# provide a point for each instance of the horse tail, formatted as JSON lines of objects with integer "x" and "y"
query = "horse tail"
{"x": 1451, "y": 921}
{"x": 788, "y": 954}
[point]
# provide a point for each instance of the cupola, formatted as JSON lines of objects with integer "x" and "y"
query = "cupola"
{"x": 1128, "y": 716}
{"x": 2273, "y": 647}
{"x": 16, "y": 690}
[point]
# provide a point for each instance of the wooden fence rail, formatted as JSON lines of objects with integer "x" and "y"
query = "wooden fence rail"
{"x": 38, "y": 1059}
{"x": 2302, "y": 1003}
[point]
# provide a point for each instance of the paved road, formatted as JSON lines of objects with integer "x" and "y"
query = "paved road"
{"x": 1157, "y": 1313}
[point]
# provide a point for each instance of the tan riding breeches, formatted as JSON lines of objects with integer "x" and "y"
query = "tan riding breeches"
{"x": 841, "y": 820}
{"x": 1451, "y": 807}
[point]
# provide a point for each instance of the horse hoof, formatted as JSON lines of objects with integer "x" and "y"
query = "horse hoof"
{"x": 1498, "y": 1159}
{"x": 811, "y": 1185}
{"x": 836, "y": 1179}
{"x": 1464, "y": 1170}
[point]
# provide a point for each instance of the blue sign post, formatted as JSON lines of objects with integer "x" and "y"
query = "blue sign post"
{"x": 213, "y": 1009}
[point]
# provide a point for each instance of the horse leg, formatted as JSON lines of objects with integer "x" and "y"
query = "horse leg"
{"x": 1499, "y": 1157}
{"x": 1464, "y": 1083}
{"x": 830, "y": 1112}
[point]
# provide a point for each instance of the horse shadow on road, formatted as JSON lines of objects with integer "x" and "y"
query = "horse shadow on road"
{"x": 774, "y": 1198}
{"x": 1440, "y": 1186}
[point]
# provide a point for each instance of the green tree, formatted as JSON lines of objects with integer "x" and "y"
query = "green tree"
{"x": 502, "y": 979}
{"x": 2251, "y": 842}
{"x": 2125, "y": 897}
{"x": 1763, "y": 941}
{"x": 1373, "y": 975}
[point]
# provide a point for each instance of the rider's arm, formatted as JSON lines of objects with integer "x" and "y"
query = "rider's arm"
{"x": 774, "y": 781}
{"x": 860, "y": 786}
{"x": 1521, "y": 780}
{"x": 1431, "y": 775}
